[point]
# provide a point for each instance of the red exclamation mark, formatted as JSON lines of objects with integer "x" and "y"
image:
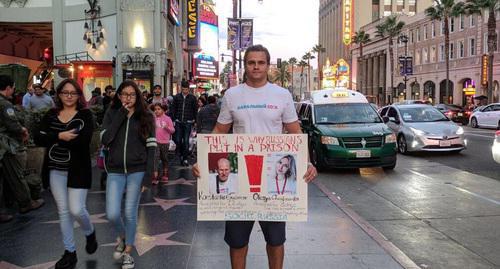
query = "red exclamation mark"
{"x": 254, "y": 171}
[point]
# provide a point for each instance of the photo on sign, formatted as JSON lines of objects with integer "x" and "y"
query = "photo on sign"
{"x": 282, "y": 174}
{"x": 223, "y": 173}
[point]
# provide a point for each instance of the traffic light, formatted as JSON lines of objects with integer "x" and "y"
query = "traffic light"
{"x": 278, "y": 62}
{"x": 47, "y": 55}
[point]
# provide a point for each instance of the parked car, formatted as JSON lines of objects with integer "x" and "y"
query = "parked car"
{"x": 413, "y": 102}
{"x": 487, "y": 117}
{"x": 455, "y": 113}
{"x": 495, "y": 149}
{"x": 423, "y": 128}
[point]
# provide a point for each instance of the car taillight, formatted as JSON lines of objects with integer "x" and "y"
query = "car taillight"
{"x": 449, "y": 113}
{"x": 497, "y": 134}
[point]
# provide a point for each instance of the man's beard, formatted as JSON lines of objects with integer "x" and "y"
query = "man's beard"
{"x": 157, "y": 94}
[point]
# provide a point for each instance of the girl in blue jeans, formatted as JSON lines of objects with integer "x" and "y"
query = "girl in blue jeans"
{"x": 66, "y": 131}
{"x": 129, "y": 134}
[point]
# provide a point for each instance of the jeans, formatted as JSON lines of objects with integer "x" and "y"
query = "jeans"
{"x": 182, "y": 134}
{"x": 115, "y": 186}
{"x": 70, "y": 206}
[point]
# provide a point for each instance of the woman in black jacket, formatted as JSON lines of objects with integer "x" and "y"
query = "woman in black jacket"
{"x": 66, "y": 131}
{"x": 129, "y": 134}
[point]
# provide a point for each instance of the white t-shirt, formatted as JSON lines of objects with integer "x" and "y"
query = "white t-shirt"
{"x": 228, "y": 187}
{"x": 257, "y": 110}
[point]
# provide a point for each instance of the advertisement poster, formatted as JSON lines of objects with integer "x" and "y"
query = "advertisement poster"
{"x": 246, "y": 31}
{"x": 252, "y": 177}
{"x": 233, "y": 34}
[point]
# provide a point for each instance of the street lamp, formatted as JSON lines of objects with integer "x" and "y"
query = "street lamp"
{"x": 404, "y": 39}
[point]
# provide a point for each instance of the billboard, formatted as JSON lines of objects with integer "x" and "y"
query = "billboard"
{"x": 193, "y": 25}
{"x": 239, "y": 34}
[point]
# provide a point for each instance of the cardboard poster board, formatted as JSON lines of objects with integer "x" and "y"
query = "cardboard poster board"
{"x": 252, "y": 177}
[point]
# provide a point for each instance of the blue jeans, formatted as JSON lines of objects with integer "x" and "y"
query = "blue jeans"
{"x": 70, "y": 206}
{"x": 182, "y": 133}
{"x": 115, "y": 186}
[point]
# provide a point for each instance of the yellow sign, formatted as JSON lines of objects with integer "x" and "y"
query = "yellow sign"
{"x": 484, "y": 70}
{"x": 340, "y": 94}
{"x": 347, "y": 21}
{"x": 470, "y": 90}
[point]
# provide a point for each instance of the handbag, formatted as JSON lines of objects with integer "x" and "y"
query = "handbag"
{"x": 101, "y": 158}
{"x": 171, "y": 145}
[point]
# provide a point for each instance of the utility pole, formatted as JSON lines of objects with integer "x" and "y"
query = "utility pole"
{"x": 404, "y": 38}
{"x": 239, "y": 64}
{"x": 235, "y": 16}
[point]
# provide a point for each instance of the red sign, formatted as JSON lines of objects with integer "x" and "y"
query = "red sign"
{"x": 207, "y": 15}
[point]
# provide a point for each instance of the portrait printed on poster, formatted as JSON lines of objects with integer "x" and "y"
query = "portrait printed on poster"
{"x": 252, "y": 177}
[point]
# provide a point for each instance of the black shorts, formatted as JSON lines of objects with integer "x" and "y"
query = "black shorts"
{"x": 238, "y": 233}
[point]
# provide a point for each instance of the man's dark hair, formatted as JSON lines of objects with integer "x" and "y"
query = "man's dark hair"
{"x": 257, "y": 48}
{"x": 211, "y": 99}
{"x": 5, "y": 81}
{"x": 185, "y": 84}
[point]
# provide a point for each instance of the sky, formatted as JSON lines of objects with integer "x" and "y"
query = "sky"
{"x": 288, "y": 28}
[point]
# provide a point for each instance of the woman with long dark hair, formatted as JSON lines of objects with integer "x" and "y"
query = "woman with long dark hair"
{"x": 66, "y": 131}
{"x": 129, "y": 134}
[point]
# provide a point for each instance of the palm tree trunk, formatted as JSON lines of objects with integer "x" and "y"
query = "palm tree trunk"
{"x": 292, "y": 79}
{"x": 447, "y": 59}
{"x": 308, "y": 75}
{"x": 301, "y": 79}
{"x": 391, "y": 55}
{"x": 492, "y": 39}
{"x": 361, "y": 74}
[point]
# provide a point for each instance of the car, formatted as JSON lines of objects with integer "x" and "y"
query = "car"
{"x": 495, "y": 149}
{"x": 423, "y": 128}
{"x": 455, "y": 113}
{"x": 412, "y": 102}
{"x": 345, "y": 131}
{"x": 487, "y": 117}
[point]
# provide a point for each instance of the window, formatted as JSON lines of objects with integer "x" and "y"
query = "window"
{"x": 433, "y": 30}
{"x": 411, "y": 36}
{"x": 375, "y": 10}
{"x": 461, "y": 49}
{"x": 462, "y": 26}
{"x": 472, "y": 46}
{"x": 441, "y": 52}
{"x": 485, "y": 42}
{"x": 452, "y": 50}
{"x": 425, "y": 32}
{"x": 452, "y": 25}
{"x": 417, "y": 57}
{"x": 433, "y": 54}
{"x": 442, "y": 28}
{"x": 400, "y": 5}
{"x": 412, "y": 7}
{"x": 418, "y": 34}
{"x": 472, "y": 20}
{"x": 387, "y": 8}
{"x": 425, "y": 54}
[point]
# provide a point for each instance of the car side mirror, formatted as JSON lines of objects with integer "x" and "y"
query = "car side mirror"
{"x": 385, "y": 119}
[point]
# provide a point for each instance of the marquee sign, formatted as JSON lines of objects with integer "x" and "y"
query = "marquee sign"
{"x": 484, "y": 70}
{"x": 347, "y": 21}
{"x": 205, "y": 67}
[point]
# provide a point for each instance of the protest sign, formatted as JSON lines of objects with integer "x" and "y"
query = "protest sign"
{"x": 252, "y": 177}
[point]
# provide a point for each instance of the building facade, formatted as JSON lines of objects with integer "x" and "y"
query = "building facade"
{"x": 336, "y": 22}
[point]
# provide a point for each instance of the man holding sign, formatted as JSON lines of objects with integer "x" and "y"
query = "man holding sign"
{"x": 243, "y": 110}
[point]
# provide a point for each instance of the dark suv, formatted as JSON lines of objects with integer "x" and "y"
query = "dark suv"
{"x": 455, "y": 113}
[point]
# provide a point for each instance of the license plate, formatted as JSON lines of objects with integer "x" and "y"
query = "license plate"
{"x": 363, "y": 153}
{"x": 444, "y": 143}
{"x": 460, "y": 114}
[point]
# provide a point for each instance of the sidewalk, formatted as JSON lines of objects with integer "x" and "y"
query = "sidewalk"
{"x": 170, "y": 237}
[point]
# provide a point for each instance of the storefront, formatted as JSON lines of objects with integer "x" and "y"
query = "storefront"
{"x": 143, "y": 78}
{"x": 469, "y": 91}
{"x": 92, "y": 74}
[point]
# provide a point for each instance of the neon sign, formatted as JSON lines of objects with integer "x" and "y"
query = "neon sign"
{"x": 347, "y": 21}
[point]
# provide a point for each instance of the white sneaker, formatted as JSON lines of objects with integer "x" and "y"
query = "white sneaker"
{"x": 127, "y": 261}
{"x": 120, "y": 247}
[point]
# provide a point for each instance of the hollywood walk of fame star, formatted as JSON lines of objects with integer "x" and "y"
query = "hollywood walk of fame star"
{"x": 167, "y": 204}
{"x": 180, "y": 181}
{"x": 144, "y": 242}
{"x": 97, "y": 218}
{"x": 6, "y": 265}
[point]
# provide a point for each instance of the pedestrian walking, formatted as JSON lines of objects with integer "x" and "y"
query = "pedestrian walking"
{"x": 40, "y": 100}
{"x": 184, "y": 109}
{"x": 27, "y": 97}
{"x": 242, "y": 109}
{"x": 207, "y": 116}
{"x": 164, "y": 130}
{"x": 157, "y": 98}
{"x": 129, "y": 134}
{"x": 66, "y": 132}
{"x": 12, "y": 138}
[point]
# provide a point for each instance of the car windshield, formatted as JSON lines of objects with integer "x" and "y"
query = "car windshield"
{"x": 421, "y": 114}
{"x": 345, "y": 113}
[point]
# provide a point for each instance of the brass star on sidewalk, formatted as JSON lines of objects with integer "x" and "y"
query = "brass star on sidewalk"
{"x": 144, "y": 242}
{"x": 180, "y": 181}
{"x": 97, "y": 218}
{"x": 6, "y": 265}
{"x": 167, "y": 204}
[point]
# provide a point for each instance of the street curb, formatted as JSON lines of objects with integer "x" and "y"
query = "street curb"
{"x": 398, "y": 255}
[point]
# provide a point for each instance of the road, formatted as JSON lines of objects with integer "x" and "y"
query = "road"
{"x": 442, "y": 210}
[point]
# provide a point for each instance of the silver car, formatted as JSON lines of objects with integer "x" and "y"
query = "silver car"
{"x": 423, "y": 128}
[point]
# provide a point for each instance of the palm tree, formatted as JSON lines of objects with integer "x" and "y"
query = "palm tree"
{"x": 308, "y": 57}
{"x": 292, "y": 61}
{"x": 318, "y": 49}
{"x": 444, "y": 10}
{"x": 476, "y": 7}
{"x": 360, "y": 38}
{"x": 302, "y": 64}
{"x": 390, "y": 28}
{"x": 282, "y": 75}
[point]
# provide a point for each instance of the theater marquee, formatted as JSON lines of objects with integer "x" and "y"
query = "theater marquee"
{"x": 347, "y": 21}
